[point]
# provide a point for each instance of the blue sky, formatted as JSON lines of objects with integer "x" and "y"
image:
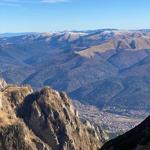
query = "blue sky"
{"x": 56, "y": 15}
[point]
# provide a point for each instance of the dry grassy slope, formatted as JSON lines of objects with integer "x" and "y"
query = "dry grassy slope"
{"x": 118, "y": 43}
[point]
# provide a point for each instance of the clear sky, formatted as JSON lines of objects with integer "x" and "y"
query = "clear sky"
{"x": 56, "y": 15}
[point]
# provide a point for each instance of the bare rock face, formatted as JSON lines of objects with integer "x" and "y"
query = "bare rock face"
{"x": 17, "y": 137}
{"x": 14, "y": 134}
{"x": 52, "y": 117}
{"x": 136, "y": 139}
{"x": 43, "y": 120}
{"x": 3, "y": 84}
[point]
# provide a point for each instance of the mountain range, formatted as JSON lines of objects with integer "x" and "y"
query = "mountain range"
{"x": 107, "y": 68}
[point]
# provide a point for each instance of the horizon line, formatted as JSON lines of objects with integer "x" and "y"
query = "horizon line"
{"x": 74, "y": 30}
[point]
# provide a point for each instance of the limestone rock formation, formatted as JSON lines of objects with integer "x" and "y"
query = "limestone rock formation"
{"x": 3, "y": 83}
{"x": 43, "y": 120}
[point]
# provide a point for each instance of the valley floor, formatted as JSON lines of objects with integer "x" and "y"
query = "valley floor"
{"x": 114, "y": 124}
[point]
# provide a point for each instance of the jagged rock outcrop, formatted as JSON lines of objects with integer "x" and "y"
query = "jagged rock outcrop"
{"x": 3, "y": 84}
{"x": 18, "y": 137}
{"x": 14, "y": 134}
{"x": 136, "y": 139}
{"x": 43, "y": 120}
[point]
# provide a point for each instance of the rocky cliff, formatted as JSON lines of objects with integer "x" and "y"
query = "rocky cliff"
{"x": 136, "y": 139}
{"x": 43, "y": 120}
